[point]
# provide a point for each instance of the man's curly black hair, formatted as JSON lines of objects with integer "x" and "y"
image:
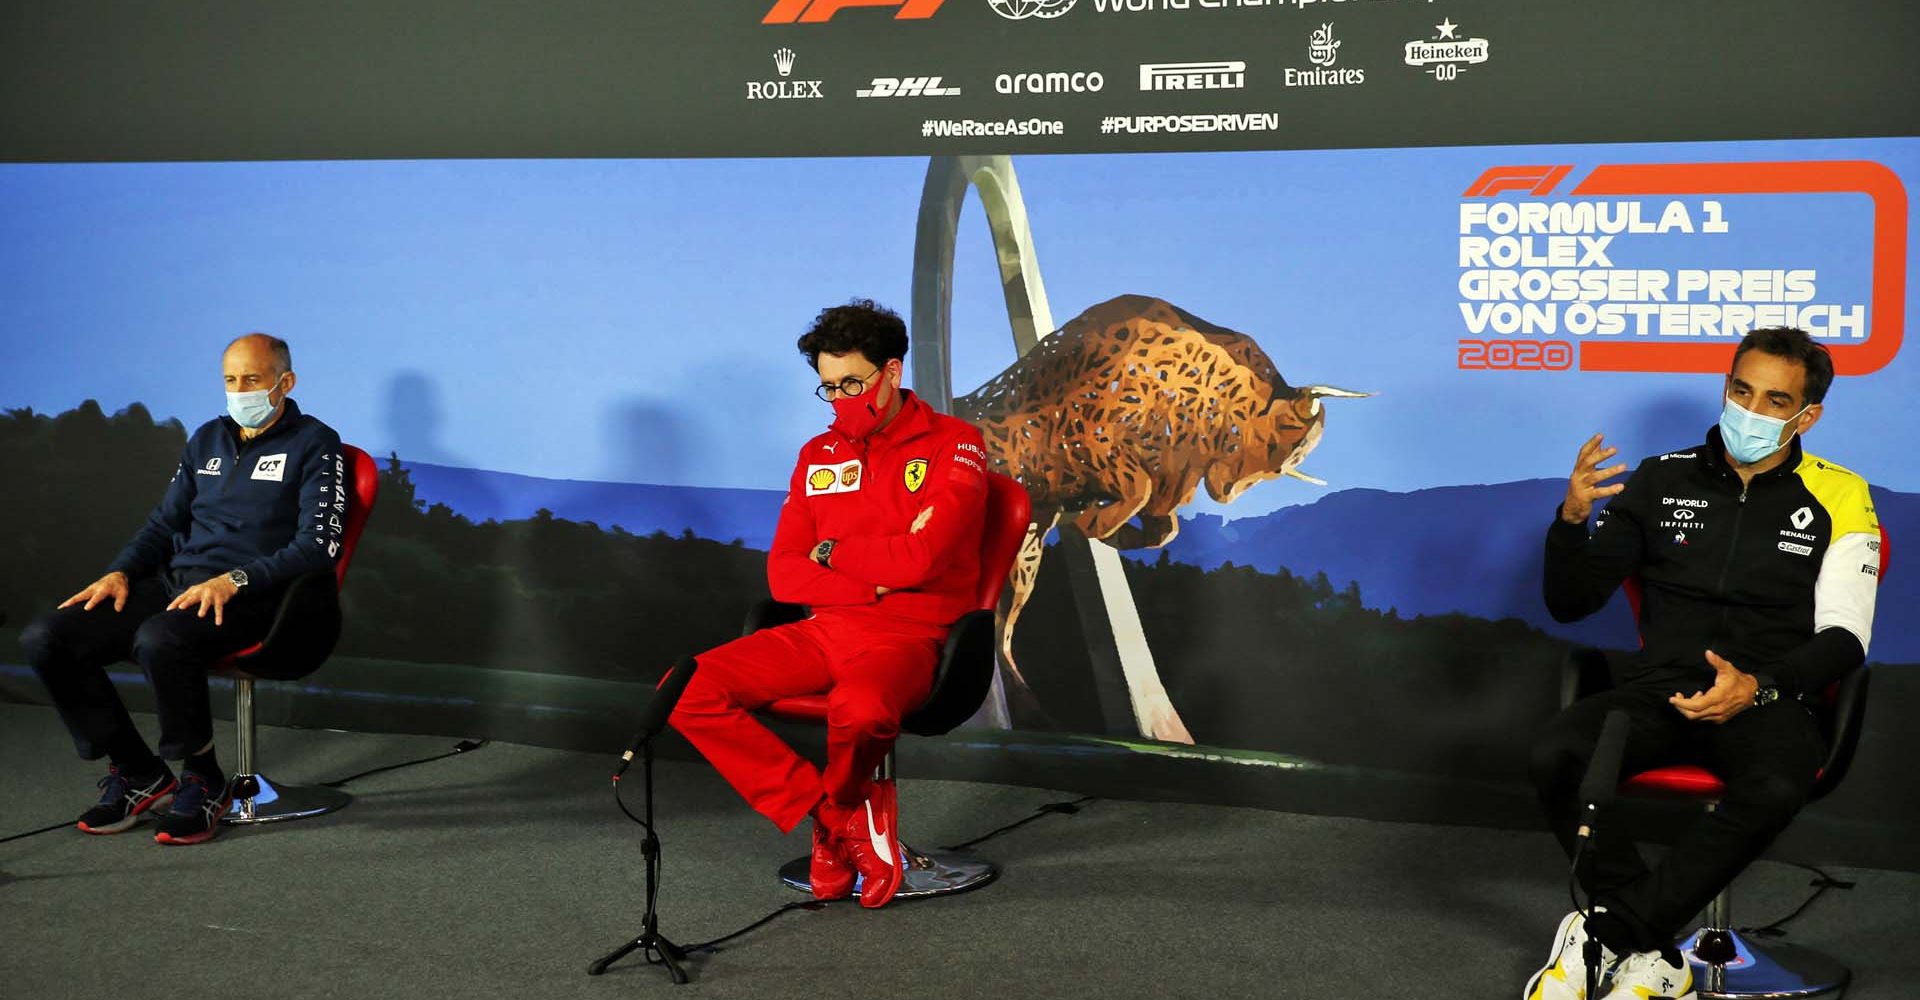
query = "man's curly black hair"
{"x": 861, "y": 325}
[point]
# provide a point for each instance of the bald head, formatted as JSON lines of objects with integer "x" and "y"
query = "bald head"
{"x": 261, "y": 348}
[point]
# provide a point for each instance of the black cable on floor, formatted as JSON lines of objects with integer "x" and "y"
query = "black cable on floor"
{"x": 785, "y": 908}
{"x": 464, "y": 746}
{"x": 35, "y": 833}
{"x": 1820, "y": 884}
{"x": 1063, "y": 808}
{"x": 1051, "y": 808}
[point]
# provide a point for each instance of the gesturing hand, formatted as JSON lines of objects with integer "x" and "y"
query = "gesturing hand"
{"x": 214, "y": 593}
{"x": 1583, "y": 487}
{"x": 112, "y": 587}
{"x": 1732, "y": 693}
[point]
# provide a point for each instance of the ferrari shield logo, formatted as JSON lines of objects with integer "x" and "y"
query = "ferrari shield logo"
{"x": 916, "y": 475}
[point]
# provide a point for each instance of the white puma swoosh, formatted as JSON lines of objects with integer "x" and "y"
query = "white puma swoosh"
{"x": 882, "y": 844}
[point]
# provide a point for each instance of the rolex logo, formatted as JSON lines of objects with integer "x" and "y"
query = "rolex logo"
{"x": 784, "y": 88}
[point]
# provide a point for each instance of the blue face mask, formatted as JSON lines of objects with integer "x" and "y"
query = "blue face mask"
{"x": 1750, "y": 437}
{"x": 252, "y": 410}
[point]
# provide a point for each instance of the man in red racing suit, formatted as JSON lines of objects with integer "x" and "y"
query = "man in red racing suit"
{"x": 879, "y": 537}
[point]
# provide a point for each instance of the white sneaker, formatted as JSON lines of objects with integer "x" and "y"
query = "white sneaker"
{"x": 1565, "y": 975}
{"x": 1646, "y": 975}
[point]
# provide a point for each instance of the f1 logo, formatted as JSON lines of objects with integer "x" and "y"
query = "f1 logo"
{"x": 1536, "y": 181}
{"x": 816, "y": 11}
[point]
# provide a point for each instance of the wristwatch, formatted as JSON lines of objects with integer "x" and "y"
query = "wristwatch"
{"x": 1767, "y": 693}
{"x": 826, "y": 552}
{"x": 237, "y": 577}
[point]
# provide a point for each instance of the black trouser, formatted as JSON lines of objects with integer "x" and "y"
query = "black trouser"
{"x": 70, "y": 649}
{"x": 1767, "y": 756}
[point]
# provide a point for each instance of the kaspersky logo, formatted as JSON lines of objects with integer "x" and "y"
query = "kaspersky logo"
{"x": 818, "y": 11}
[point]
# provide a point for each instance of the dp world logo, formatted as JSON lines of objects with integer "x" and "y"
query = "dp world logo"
{"x": 1020, "y": 10}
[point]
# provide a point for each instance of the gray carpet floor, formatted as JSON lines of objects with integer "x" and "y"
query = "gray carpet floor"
{"x": 503, "y": 872}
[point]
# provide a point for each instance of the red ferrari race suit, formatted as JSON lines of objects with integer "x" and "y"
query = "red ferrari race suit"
{"x": 905, "y": 508}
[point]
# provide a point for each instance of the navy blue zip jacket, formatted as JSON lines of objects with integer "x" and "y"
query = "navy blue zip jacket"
{"x": 1778, "y": 575}
{"x": 273, "y": 507}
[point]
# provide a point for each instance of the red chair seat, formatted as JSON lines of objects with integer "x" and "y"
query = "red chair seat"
{"x": 801, "y": 708}
{"x": 230, "y": 663}
{"x": 1681, "y": 781}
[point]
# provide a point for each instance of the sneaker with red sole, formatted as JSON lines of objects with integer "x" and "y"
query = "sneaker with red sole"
{"x": 194, "y": 816}
{"x": 873, "y": 844}
{"x": 123, "y": 801}
{"x": 829, "y": 873}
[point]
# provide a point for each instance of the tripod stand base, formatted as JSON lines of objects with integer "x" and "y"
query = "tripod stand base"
{"x": 929, "y": 873}
{"x": 659, "y": 951}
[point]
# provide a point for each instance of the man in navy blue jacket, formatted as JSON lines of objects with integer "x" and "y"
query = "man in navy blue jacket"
{"x": 258, "y": 499}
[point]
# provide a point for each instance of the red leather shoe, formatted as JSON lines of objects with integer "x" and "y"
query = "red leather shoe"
{"x": 872, "y": 842}
{"x": 830, "y": 874}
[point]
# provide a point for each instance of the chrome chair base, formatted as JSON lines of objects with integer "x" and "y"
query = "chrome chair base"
{"x": 257, "y": 799}
{"x": 1741, "y": 969}
{"x": 933, "y": 873}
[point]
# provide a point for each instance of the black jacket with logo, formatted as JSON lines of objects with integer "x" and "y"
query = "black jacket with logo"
{"x": 1778, "y": 577}
{"x": 273, "y": 507}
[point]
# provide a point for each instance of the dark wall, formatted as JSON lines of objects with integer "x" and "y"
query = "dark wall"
{"x": 203, "y": 80}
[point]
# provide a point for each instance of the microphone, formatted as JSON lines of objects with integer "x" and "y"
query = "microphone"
{"x": 1603, "y": 770}
{"x": 665, "y": 696}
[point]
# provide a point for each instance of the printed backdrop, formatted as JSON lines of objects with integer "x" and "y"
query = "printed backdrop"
{"x": 1325, "y": 329}
{"x": 582, "y": 376}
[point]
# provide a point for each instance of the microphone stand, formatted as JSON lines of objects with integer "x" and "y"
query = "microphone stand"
{"x": 1590, "y": 948}
{"x": 658, "y": 950}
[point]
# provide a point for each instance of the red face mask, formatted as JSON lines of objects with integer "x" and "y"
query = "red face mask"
{"x": 859, "y": 416}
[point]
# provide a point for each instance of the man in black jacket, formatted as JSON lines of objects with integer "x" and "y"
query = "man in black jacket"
{"x": 257, "y": 500}
{"x": 1758, "y": 564}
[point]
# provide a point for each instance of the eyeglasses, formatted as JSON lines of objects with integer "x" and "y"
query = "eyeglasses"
{"x": 848, "y": 386}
